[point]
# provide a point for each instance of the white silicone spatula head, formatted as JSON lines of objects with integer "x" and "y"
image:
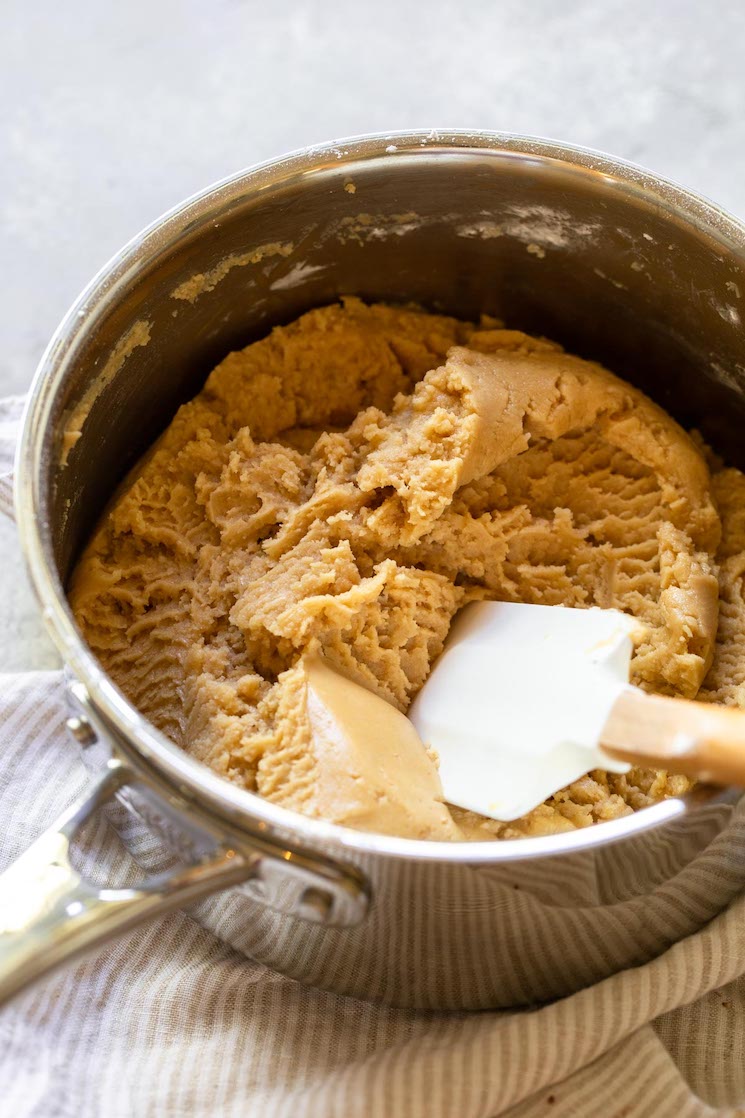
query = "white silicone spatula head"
{"x": 526, "y": 699}
{"x": 516, "y": 704}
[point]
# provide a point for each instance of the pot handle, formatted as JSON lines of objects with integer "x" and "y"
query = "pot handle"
{"x": 49, "y": 913}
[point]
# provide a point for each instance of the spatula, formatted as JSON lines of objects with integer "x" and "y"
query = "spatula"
{"x": 526, "y": 699}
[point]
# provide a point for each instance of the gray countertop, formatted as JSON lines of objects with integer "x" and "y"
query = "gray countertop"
{"x": 111, "y": 113}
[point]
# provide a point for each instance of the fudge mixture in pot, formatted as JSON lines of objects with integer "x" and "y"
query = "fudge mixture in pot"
{"x": 338, "y": 491}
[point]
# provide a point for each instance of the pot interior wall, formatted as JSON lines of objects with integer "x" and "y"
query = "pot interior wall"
{"x": 548, "y": 246}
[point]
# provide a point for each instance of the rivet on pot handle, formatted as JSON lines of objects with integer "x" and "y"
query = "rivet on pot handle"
{"x": 49, "y": 913}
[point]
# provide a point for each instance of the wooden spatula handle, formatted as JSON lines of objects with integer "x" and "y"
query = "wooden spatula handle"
{"x": 697, "y": 739}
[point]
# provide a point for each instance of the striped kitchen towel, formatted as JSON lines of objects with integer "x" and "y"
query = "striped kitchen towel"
{"x": 168, "y": 1022}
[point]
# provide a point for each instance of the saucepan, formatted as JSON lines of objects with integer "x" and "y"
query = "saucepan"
{"x": 610, "y": 260}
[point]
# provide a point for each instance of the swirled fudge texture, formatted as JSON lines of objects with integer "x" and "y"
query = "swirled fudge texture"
{"x": 334, "y": 495}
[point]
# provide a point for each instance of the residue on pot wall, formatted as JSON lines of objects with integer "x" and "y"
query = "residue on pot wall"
{"x": 201, "y": 282}
{"x": 730, "y": 378}
{"x": 137, "y": 335}
{"x": 365, "y": 227}
{"x": 533, "y": 225}
{"x": 609, "y": 279}
{"x": 296, "y": 275}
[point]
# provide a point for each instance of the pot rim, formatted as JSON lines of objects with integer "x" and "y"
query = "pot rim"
{"x": 192, "y": 778}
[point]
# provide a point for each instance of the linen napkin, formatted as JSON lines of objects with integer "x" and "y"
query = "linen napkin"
{"x": 169, "y": 1022}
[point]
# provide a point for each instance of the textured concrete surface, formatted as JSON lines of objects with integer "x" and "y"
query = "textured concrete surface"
{"x": 113, "y": 112}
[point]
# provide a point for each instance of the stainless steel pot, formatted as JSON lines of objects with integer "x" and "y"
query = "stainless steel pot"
{"x": 615, "y": 263}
